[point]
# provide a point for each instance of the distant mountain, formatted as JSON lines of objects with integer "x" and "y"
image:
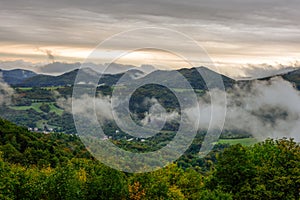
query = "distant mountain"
{"x": 192, "y": 75}
{"x": 171, "y": 77}
{"x": 197, "y": 82}
{"x": 68, "y": 79}
{"x": 16, "y": 76}
{"x": 58, "y": 68}
{"x": 25, "y": 78}
{"x": 293, "y": 77}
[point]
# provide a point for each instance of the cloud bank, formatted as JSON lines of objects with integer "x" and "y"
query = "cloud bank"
{"x": 229, "y": 30}
{"x": 264, "y": 109}
{"x": 6, "y": 92}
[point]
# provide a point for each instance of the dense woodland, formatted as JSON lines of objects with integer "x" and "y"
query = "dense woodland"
{"x": 57, "y": 166}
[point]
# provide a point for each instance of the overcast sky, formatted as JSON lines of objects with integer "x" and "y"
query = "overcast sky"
{"x": 235, "y": 33}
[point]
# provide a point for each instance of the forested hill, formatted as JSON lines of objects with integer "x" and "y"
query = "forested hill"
{"x": 192, "y": 75}
{"x": 68, "y": 78}
{"x": 25, "y": 78}
{"x": 16, "y": 76}
{"x": 29, "y": 148}
{"x": 56, "y": 166}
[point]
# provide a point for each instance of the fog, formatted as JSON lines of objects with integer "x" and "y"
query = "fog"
{"x": 6, "y": 92}
{"x": 102, "y": 105}
{"x": 157, "y": 115}
{"x": 266, "y": 109}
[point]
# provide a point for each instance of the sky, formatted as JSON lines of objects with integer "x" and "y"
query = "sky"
{"x": 238, "y": 35}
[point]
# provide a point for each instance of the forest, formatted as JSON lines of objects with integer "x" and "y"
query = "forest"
{"x": 58, "y": 166}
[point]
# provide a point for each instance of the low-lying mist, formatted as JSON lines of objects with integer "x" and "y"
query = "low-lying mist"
{"x": 6, "y": 92}
{"x": 265, "y": 109}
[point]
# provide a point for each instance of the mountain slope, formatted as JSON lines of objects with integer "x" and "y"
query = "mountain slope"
{"x": 192, "y": 75}
{"x": 16, "y": 76}
{"x": 68, "y": 79}
{"x": 198, "y": 82}
{"x": 25, "y": 78}
{"x": 293, "y": 77}
{"x": 18, "y": 145}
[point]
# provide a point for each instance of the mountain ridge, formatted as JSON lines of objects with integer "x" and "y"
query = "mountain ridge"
{"x": 27, "y": 78}
{"x": 16, "y": 76}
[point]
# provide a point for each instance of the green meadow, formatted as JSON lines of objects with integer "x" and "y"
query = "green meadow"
{"x": 36, "y": 107}
{"x": 242, "y": 141}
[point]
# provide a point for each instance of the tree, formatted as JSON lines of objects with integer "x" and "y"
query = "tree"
{"x": 45, "y": 108}
{"x": 278, "y": 169}
{"x": 268, "y": 170}
{"x": 234, "y": 169}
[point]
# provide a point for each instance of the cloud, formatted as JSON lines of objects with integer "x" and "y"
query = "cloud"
{"x": 114, "y": 68}
{"x": 256, "y": 71}
{"x": 83, "y": 108}
{"x": 157, "y": 116}
{"x": 154, "y": 119}
{"x": 19, "y": 64}
{"x": 6, "y": 92}
{"x": 48, "y": 53}
{"x": 256, "y": 12}
{"x": 264, "y": 109}
{"x": 231, "y": 27}
{"x": 58, "y": 67}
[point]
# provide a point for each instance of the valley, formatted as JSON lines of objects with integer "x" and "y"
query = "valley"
{"x": 43, "y": 109}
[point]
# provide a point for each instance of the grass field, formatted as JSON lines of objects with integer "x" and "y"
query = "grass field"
{"x": 55, "y": 109}
{"x": 243, "y": 141}
{"x": 36, "y": 107}
{"x": 46, "y": 88}
{"x": 24, "y": 88}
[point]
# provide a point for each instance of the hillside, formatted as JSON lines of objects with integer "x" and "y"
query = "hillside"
{"x": 27, "y": 148}
{"x": 57, "y": 166}
{"x": 65, "y": 79}
{"x": 25, "y": 78}
{"x": 197, "y": 82}
{"x": 16, "y": 76}
{"x": 192, "y": 75}
{"x": 293, "y": 77}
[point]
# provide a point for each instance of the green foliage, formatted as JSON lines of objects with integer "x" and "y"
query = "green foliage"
{"x": 244, "y": 141}
{"x": 234, "y": 169}
{"x": 21, "y": 146}
{"x": 57, "y": 166}
{"x": 89, "y": 181}
{"x": 45, "y": 108}
{"x": 268, "y": 170}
